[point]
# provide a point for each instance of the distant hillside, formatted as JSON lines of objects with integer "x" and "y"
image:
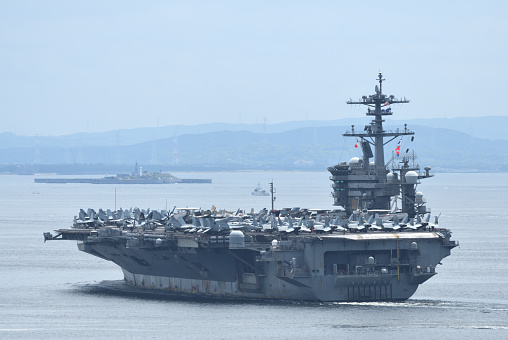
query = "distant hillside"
{"x": 303, "y": 148}
{"x": 140, "y": 135}
{"x": 492, "y": 127}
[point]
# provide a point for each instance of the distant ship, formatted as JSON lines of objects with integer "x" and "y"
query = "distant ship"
{"x": 368, "y": 249}
{"x": 260, "y": 192}
{"x": 137, "y": 177}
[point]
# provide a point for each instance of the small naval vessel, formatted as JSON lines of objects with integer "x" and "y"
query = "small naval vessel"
{"x": 258, "y": 191}
{"x": 136, "y": 177}
{"x": 368, "y": 249}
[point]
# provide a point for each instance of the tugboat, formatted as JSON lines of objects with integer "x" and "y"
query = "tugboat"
{"x": 365, "y": 250}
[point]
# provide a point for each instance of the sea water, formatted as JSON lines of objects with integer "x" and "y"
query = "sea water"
{"x": 53, "y": 291}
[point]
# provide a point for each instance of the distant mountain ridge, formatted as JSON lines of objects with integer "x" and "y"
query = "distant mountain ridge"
{"x": 491, "y": 127}
{"x": 292, "y": 148}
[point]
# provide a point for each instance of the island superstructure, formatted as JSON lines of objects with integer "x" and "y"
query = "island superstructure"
{"x": 365, "y": 250}
{"x": 363, "y": 184}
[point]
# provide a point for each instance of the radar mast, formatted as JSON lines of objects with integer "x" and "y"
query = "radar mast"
{"x": 365, "y": 185}
{"x": 374, "y": 133}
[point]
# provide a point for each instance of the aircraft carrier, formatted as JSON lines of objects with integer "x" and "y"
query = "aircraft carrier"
{"x": 379, "y": 244}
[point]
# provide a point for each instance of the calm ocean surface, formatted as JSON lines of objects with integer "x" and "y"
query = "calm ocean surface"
{"x": 53, "y": 291}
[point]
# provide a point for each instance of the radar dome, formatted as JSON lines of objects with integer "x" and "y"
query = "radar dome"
{"x": 411, "y": 177}
{"x": 391, "y": 177}
{"x": 236, "y": 240}
{"x": 355, "y": 161}
{"x": 419, "y": 197}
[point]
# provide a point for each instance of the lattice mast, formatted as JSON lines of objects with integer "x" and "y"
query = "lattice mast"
{"x": 374, "y": 133}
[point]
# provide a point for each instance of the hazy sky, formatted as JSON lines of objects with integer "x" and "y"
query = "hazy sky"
{"x": 87, "y": 66}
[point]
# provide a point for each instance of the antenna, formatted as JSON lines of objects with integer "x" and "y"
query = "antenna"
{"x": 272, "y": 191}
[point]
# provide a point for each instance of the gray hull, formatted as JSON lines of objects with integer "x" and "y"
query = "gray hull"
{"x": 346, "y": 267}
{"x": 340, "y": 289}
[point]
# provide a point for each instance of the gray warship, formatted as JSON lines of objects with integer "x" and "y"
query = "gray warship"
{"x": 368, "y": 249}
{"x": 136, "y": 177}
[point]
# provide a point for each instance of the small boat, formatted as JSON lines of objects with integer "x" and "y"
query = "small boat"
{"x": 260, "y": 192}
